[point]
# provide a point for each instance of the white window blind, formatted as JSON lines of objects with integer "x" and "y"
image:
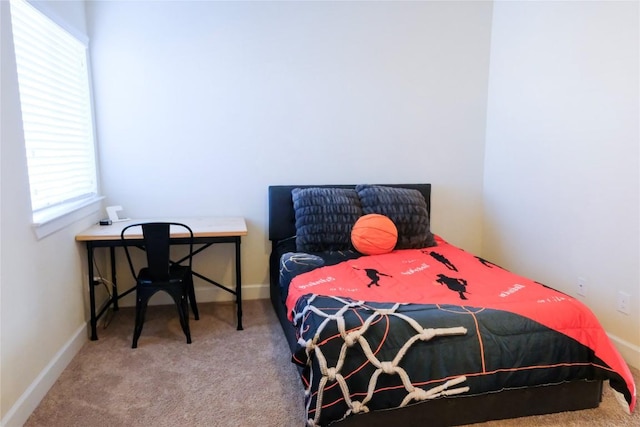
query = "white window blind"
{"x": 56, "y": 110}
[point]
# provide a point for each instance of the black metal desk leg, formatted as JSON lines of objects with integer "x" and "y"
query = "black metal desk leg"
{"x": 238, "y": 284}
{"x": 92, "y": 293}
{"x": 114, "y": 280}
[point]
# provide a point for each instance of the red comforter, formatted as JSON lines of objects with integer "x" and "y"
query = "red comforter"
{"x": 447, "y": 275}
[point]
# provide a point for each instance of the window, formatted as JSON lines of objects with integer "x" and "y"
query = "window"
{"x": 53, "y": 80}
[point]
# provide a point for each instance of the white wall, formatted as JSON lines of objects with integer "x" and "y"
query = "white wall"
{"x": 42, "y": 309}
{"x": 562, "y": 164}
{"x": 202, "y": 105}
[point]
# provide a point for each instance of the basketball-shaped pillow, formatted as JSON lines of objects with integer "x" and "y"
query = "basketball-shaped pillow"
{"x": 374, "y": 234}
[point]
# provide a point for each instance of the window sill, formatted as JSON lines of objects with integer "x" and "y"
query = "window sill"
{"x": 52, "y": 220}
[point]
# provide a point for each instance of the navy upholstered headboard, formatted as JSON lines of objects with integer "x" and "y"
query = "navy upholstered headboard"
{"x": 282, "y": 221}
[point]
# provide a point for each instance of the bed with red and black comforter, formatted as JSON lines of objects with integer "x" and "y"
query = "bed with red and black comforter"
{"x": 375, "y": 332}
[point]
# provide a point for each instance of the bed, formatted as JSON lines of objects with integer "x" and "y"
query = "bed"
{"x": 426, "y": 333}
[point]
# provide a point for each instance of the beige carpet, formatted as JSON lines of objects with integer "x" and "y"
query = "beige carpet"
{"x": 225, "y": 378}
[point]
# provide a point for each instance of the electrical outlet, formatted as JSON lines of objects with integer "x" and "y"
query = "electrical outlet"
{"x": 623, "y": 302}
{"x": 582, "y": 287}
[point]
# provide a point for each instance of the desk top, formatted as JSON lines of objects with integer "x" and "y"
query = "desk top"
{"x": 201, "y": 226}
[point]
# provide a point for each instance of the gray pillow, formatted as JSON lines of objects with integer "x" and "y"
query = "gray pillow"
{"x": 406, "y": 207}
{"x": 325, "y": 218}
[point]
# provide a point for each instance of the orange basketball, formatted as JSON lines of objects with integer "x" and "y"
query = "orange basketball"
{"x": 374, "y": 234}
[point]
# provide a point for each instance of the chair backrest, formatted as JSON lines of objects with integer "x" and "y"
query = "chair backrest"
{"x": 156, "y": 242}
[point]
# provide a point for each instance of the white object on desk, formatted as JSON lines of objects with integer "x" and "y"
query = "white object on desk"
{"x": 112, "y": 212}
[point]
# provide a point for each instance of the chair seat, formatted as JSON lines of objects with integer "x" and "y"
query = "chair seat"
{"x": 177, "y": 274}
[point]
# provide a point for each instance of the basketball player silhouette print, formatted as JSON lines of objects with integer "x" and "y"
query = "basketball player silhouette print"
{"x": 372, "y": 274}
{"x": 456, "y": 285}
{"x": 442, "y": 259}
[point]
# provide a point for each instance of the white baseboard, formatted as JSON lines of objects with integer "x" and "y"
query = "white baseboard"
{"x": 30, "y": 399}
{"x": 205, "y": 294}
{"x": 249, "y": 292}
{"x": 629, "y": 352}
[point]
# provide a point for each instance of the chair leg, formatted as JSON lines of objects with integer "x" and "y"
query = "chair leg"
{"x": 183, "y": 314}
{"x": 192, "y": 298}
{"x": 141, "y": 309}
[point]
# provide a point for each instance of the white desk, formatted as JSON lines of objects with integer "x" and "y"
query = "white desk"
{"x": 206, "y": 232}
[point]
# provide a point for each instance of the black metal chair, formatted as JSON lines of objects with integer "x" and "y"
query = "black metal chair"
{"x": 161, "y": 274}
